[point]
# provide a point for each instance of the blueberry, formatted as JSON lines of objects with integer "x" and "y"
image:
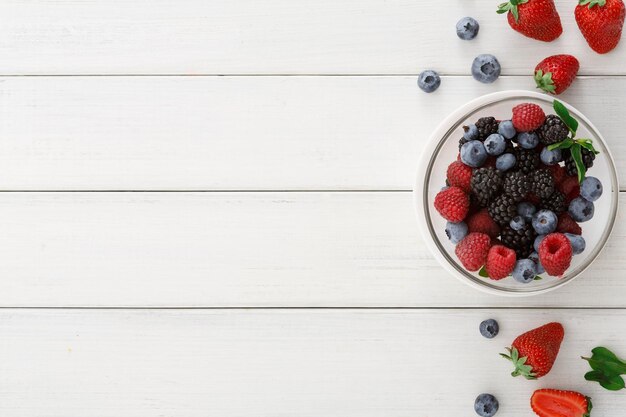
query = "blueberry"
{"x": 517, "y": 223}
{"x": 580, "y": 209}
{"x": 526, "y": 210}
{"x": 544, "y": 222}
{"x": 467, "y": 28}
{"x": 528, "y": 140}
{"x": 486, "y": 68}
{"x": 470, "y": 132}
{"x": 505, "y": 162}
{"x": 537, "y": 242}
{"x": 578, "y": 243}
{"x": 591, "y": 189}
{"x": 525, "y": 271}
{"x": 550, "y": 157}
{"x": 535, "y": 258}
{"x": 429, "y": 81}
{"x": 495, "y": 144}
{"x": 456, "y": 231}
{"x": 506, "y": 129}
{"x": 473, "y": 153}
{"x": 489, "y": 328}
{"x": 486, "y": 405}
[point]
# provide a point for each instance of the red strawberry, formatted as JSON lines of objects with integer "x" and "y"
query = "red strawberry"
{"x": 452, "y": 203}
{"x": 481, "y": 222}
{"x": 472, "y": 250}
{"x": 459, "y": 175}
{"x": 555, "y": 73}
{"x": 601, "y": 22}
{"x": 558, "y": 173}
{"x": 555, "y": 253}
{"x": 534, "y": 352}
{"x": 570, "y": 187}
{"x": 568, "y": 225}
{"x": 500, "y": 262}
{"x": 537, "y": 19}
{"x": 557, "y": 403}
{"x": 527, "y": 117}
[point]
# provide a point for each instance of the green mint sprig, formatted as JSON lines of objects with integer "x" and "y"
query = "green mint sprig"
{"x": 607, "y": 369}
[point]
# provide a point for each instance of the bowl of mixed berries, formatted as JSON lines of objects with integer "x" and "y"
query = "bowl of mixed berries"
{"x": 516, "y": 193}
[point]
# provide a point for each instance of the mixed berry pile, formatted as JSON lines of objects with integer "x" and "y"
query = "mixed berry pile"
{"x": 517, "y": 193}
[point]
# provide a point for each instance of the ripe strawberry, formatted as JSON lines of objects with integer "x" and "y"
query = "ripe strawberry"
{"x": 555, "y": 73}
{"x": 472, "y": 250}
{"x": 555, "y": 254}
{"x": 534, "y": 352}
{"x": 527, "y": 117}
{"x": 452, "y": 203}
{"x": 481, "y": 222}
{"x": 570, "y": 187}
{"x": 568, "y": 225}
{"x": 500, "y": 262}
{"x": 558, "y": 173}
{"x": 601, "y": 22}
{"x": 537, "y": 19}
{"x": 557, "y": 403}
{"x": 459, "y": 175}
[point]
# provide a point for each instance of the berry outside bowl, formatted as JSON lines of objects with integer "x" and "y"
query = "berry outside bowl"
{"x": 442, "y": 149}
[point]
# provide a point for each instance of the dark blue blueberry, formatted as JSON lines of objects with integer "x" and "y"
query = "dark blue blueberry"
{"x": 544, "y": 222}
{"x": 535, "y": 258}
{"x": 517, "y": 223}
{"x": 578, "y": 243}
{"x": 528, "y": 140}
{"x": 486, "y": 405}
{"x": 473, "y": 153}
{"x": 550, "y": 157}
{"x": 537, "y": 242}
{"x": 470, "y": 132}
{"x": 489, "y": 328}
{"x": 526, "y": 210}
{"x": 591, "y": 189}
{"x": 525, "y": 271}
{"x": 456, "y": 231}
{"x": 506, "y": 129}
{"x": 486, "y": 68}
{"x": 581, "y": 209}
{"x": 495, "y": 144}
{"x": 429, "y": 81}
{"x": 467, "y": 28}
{"x": 505, "y": 162}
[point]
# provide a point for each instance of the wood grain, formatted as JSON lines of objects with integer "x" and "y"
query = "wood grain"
{"x": 278, "y": 37}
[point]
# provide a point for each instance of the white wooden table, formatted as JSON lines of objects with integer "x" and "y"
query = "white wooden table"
{"x": 206, "y": 211}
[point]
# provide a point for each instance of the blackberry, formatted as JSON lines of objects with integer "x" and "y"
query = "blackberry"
{"x": 485, "y": 184}
{"x": 542, "y": 183}
{"x": 553, "y": 130}
{"x": 503, "y": 209}
{"x": 521, "y": 241}
{"x": 570, "y": 165}
{"x": 516, "y": 185}
{"x": 555, "y": 203}
{"x": 527, "y": 160}
{"x": 486, "y": 126}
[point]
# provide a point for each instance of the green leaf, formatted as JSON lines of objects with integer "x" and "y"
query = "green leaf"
{"x": 578, "y": 160}
{"x": 483, "y": 272}
{"x": 537, "y": 278}
{"x": 587, "y": 144}
{"x": 606, "y": 369}
{"x": 544, "y": 81}
{"x": 609, "y": 382}
{"x": 563, "y": 113}
{"x": 564, "y": 144}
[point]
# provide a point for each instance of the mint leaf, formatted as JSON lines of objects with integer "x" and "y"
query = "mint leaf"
{"x": 564, "y": 144}
{"x": 606, "y": 369}
{"x": 587, "y": 144}
{"x": 609, "y": 382}
{"x": 563, "y": 113}
{"x": 537, "y": 278}
{"x": 578, "y": 160}
{"x": 483, "y": 272}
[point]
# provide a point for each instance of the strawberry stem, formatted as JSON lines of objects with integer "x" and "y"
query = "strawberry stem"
{"x": 591, "y": 3}
{"x": 521, "y": 368}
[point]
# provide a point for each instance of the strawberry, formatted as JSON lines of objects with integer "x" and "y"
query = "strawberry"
{"x": 537, "y": 19}
{"x": 534, "y": 352}
{"x": 601, "y": 22}
{"x": 555, "y": 73}
{"x": 557, "y": 403}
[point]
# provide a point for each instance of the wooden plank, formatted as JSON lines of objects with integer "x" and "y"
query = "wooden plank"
{"x": 306, "y": 363}
{"x": 241, "y": 133}
{"x": 245, "y": 249}
{"x": 271, "y": 37}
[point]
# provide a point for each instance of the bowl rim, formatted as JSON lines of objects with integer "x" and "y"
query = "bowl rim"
{"x": 436, "y": 140}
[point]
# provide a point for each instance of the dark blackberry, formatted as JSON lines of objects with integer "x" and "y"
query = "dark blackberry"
{"x": 521, "y": 241}
{"x": 555, "y": 203}
{"x": 527, "y": 160}
{"x": 570, "y": 165}
{"x": 542, "y": 183}
{"x": 486, "y": 126}
{"x": 503, "y": 209}
{"x": 516, "y": 185}
{"x": 485, "y": 184}
{"x": 553, "y": 130}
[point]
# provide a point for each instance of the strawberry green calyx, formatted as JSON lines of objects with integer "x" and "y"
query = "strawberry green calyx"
{"x": 544, "y": 81}
{"x": 511, "y": 6}
{"x": 521, "y": 368}
{"x": 607, "y": 369}
{"x": 591, "y": 3}
{"x": 589, "y": 407}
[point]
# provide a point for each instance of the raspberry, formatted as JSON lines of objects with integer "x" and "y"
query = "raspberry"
{"x": 452, "y": 203}
{"x": 459, "y": 175}
{"x": 500, "y": 262}
{"x": 555, "y": 253}
{"x": 481, "y": 222}
{"x": 570, "y": 188}
{"x": 527, "y": 117}
{"x": 558, "y": 173}
{"x": 568, "y": 225}
{"x": 472, "y": 250}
